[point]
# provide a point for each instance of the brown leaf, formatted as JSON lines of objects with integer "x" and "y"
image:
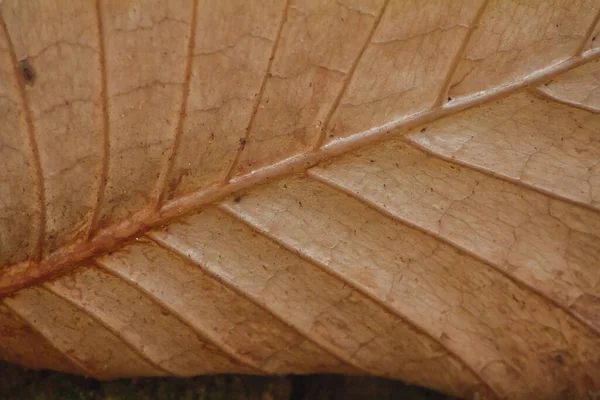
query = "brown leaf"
{"x": 401, "y": 189}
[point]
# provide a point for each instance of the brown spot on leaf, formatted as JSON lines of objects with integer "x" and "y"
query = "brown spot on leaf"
{"x": 27, "y": 72}
{"x": 559, "y": 358}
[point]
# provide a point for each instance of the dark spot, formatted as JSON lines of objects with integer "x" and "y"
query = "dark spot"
{"x": 559, "y": 358}
{"x": 594, "y": 39}
{"x": 423, "y": 130}
{"x": 568, "y": 394}
{"x": 372, "y": 160}
{"x": 242, "y": 142}
{"x": 237, "y": 199}
{"x": 449, "y": 98}
{"x": 27, "y": 71}
{"x": 174, "y": 183}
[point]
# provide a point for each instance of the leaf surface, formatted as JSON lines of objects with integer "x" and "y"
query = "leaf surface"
{"x": 401, "y": 189}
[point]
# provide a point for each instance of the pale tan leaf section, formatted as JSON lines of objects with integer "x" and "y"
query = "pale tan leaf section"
{"x": 550, "y": 245}
{"x": 146, "y": 48}
{"x": 20, "y": 344}
{"x": 234, "y": 40}
{"x": 244, "y": 329}
{"x": 594, "y": 39}
{"x": 332, "y": 313}
{"x": 550, "y": 146}
{"x": 143, "y": 324}
{"x": 94, "y": 348}
{"x": 386, "y": 261}
{"x": 404, "y": 68}
{"x": 319, "y": 45}
{"x": 19, "y": 212}
{"x": 516, "y": 38}
{"x": 579, "y": 87}
{"x": 515, "y": 340}
{"x": 59, "y": 44}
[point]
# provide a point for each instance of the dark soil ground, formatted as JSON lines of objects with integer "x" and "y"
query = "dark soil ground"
{"x": 19, "y": 384}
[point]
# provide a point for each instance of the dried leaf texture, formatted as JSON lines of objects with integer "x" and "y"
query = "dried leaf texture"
{"x": 395, "y": 188}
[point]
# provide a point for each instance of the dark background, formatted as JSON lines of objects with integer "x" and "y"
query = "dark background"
{"x": 19, "y": 384}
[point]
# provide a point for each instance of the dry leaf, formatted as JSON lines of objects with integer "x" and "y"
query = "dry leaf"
{"x": 395, "y": 188}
